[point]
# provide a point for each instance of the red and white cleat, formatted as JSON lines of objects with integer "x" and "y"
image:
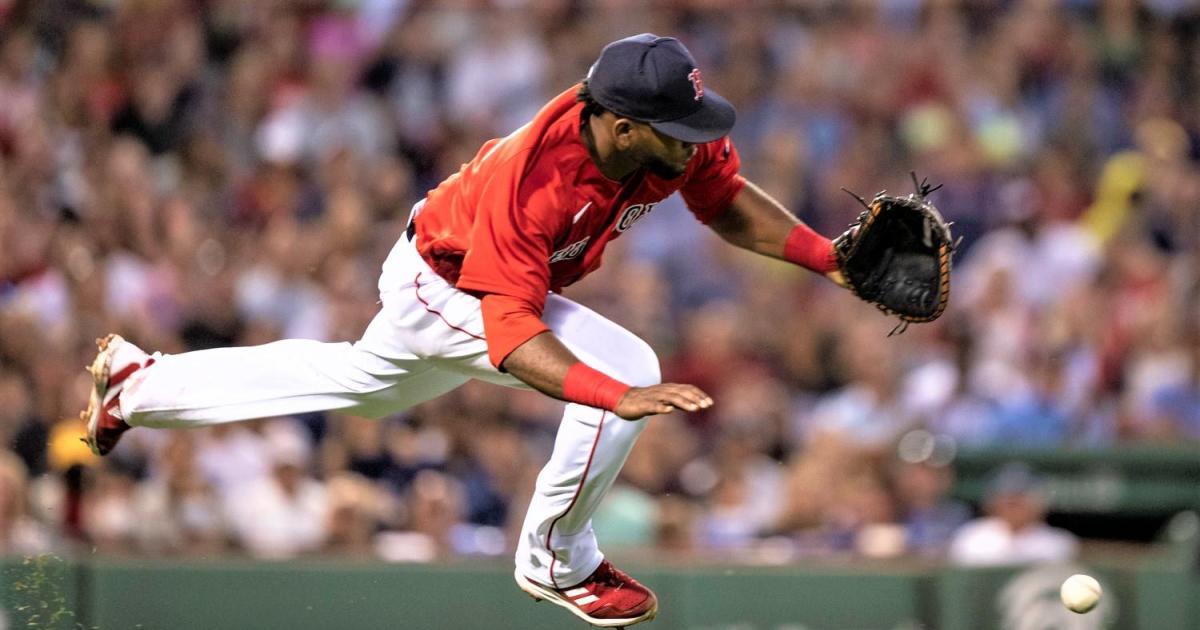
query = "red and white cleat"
{"x": 608, "y": 598}
{"x": 115, "y": 362}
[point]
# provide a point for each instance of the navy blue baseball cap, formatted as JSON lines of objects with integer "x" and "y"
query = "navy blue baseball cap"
{"x": 655, "y": 80}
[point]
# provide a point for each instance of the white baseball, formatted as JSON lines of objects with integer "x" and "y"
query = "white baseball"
{"x": 1080, "y": 593}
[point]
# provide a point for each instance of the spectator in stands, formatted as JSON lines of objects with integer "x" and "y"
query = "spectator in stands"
{"x": 744, "y": 501}
{"x": 108, "y": 510}
{"x": 1175, "y": 408}
{"x": 285, "y": 512}
{"x": 229, "y": 456}
{"x": 436, "y": 508}
{"x": 1014, "y": 531}
{"x": 1036, "y": 416}
{"x": 870, "y": 410}
{"x": 837, "y": 500}
{"x": 176, "y": 509}
{"x": 20, "y": 534}
{"x": 357, "y": 510}
{"x": 923, "y": 475}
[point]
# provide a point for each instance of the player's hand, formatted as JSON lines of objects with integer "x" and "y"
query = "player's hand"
{"x": 838, "y": 278}
{"x": 640, "y": 402}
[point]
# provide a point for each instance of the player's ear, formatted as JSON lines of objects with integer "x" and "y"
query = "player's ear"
{"x": 624, "y": 133}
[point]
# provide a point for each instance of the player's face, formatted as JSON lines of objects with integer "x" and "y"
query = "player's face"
{"x": 663, "y": 155}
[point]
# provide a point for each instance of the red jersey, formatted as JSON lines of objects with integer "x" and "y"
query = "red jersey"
{"x": 531, "y": 213}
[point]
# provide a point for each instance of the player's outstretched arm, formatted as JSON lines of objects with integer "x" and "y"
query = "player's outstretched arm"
{"x": 546, "y": 365}
{"x": 757, "y": 222}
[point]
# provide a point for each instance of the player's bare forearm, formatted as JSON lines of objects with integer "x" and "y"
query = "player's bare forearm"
{"x": 755, "y": 221}
{"x": 543, "y": 363}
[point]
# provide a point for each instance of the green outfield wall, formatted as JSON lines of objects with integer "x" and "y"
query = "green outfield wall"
{"x": 242, "y": 595}
{"x": 1130, "y": 481}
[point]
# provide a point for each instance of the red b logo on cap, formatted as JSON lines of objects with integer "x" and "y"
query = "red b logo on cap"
{"x": 697, "y": 83}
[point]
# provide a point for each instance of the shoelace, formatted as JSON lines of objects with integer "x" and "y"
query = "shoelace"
{"x": 614, "y": 577}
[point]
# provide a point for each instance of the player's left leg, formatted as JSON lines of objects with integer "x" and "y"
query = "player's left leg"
{"x": 206, "y": 387}
{"x": 557, "y": 555}
{"x": 394, "y": 366}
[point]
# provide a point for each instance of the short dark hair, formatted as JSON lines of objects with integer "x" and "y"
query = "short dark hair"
{"x": 590, "y": 106}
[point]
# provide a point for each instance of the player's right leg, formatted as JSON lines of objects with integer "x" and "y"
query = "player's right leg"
{"x": 558, "y": 558}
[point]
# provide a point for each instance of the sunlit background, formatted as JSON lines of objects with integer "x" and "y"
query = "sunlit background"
{"x": 200, "y": 173}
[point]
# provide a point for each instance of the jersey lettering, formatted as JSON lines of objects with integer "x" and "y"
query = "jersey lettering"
{"x": 570, "y": 251}
{"x": 633, "y": 213}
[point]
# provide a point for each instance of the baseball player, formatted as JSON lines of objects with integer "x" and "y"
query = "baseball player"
{"x": 472, "y": 290}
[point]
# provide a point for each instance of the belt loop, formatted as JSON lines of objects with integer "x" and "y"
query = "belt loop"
{"x": 411, "y": 230}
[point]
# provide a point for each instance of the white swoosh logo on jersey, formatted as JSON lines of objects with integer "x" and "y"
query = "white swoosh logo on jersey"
{"x": 580, "y": 213}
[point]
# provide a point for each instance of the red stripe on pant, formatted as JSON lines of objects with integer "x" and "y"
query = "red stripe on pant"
{"x": 579, "y": 489}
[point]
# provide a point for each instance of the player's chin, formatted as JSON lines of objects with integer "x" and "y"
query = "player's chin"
{"x": 666, "y": 170}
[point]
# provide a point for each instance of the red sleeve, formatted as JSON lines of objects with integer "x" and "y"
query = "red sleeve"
{"x": 508, "y": 322}
{"x": 712, "y": 179}
{"x": 512, "y": 240}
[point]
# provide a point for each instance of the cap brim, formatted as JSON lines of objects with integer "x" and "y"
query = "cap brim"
{"x": 713, "y": 120}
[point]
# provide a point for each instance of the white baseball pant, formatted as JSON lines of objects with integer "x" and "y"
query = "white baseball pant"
{"x": 427, "y": 339}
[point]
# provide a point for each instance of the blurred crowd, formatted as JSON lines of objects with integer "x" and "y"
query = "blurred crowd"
{"x": 198, "y": 173}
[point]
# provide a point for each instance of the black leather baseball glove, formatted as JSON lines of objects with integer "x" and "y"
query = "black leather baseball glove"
{"x": 897, "y": 256}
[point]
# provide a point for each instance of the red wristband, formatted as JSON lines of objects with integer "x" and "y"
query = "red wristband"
{"x": 593, "y": 388}
{"x": 810, "y": 250}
